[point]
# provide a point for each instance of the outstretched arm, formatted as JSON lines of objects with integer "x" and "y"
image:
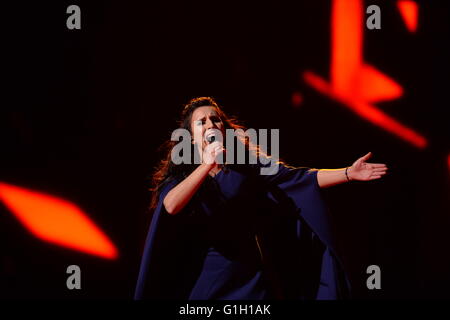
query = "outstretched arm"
{"x": 360, "y": 170}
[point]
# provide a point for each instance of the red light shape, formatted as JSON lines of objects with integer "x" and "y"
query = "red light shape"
{"x": 376, "y": 86}
{"x": 57, "y": 221}
{"x": 296, "y": 99}
{"x": 346, "y": 40}
{"x": 353, "y": 82}
{"x": 367, "y": 111}
{"x": 409, "y": 11}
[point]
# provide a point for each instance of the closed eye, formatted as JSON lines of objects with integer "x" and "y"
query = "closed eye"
{"x": 203, "y": 120}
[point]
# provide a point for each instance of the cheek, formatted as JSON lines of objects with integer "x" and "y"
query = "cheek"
{"x": 198, "y": 133}
{"x": 219, "y": 125}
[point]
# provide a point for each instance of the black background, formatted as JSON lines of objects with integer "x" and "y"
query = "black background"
{"x": 83, "y": 112}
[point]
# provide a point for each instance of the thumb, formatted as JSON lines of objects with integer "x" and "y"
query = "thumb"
{"x": 367, "y": 156}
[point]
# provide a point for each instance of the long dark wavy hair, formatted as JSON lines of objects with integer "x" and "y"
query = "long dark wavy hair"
{"x": 166, "y": 170}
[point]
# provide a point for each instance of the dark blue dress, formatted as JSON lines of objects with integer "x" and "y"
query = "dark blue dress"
{"x": 244, "y": 236}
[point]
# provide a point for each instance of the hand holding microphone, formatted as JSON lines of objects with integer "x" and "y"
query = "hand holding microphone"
{"x": 214, "y": 151}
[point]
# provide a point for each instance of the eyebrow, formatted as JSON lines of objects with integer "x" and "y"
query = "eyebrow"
{"x": 211, "y": 116}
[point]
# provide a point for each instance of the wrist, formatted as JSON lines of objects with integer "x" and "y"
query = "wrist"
{"x": 208, "y": 166}
{"x": 347, "y": 174}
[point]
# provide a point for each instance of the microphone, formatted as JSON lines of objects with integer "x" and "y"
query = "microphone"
{"x": 211, "y": 138}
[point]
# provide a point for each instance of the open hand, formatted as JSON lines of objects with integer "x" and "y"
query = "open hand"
{"x": 364, "y": 171}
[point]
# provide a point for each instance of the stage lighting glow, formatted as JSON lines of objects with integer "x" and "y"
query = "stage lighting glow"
{"x": 409, "y": 11}
{"x": 354, "y": 83}
{"x": 296, "y": 99}
{"x": 57, "y": 221}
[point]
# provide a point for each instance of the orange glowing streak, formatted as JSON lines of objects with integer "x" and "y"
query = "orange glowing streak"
{"x": 346, "y": 39}
{"x": 375, "y": 86}
{"x": 367, "y": 111}
{"x": 56, "y": 220}
{"x": 354, "y": 83}
{"x": 409, "y": 11}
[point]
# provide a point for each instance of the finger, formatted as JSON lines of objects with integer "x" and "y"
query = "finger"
{"x": 378, "y": 165}
{"x": 208, "y": 160}
{"x": 375, "y": 177}
{"x": 216, "y": 144}
{"x": 379, "y": 170}
{"x": 367, "y": 156}
{"x": 378, "y": 173}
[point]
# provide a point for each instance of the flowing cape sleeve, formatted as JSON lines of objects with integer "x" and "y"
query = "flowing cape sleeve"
{"x": 172, "y": 255}
{"x": 167, "y": 268}
{"x": 299, "y": 187}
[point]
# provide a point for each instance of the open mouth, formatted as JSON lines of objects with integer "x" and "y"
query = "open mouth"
{"x": 212, "y": 135}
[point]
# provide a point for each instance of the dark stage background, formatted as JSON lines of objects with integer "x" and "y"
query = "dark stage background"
{"x": 84, "y": 111}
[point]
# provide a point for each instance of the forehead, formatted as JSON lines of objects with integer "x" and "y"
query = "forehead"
{"x": 203, "y": 111}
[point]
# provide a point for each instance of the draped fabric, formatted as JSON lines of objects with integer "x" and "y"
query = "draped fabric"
{"x": 244, "y": 236}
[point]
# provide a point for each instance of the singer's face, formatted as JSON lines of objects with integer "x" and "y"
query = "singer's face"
{"x": 204, "y": 119}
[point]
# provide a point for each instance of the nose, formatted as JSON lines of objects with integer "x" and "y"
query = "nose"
{"x": 210, "y": 124}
